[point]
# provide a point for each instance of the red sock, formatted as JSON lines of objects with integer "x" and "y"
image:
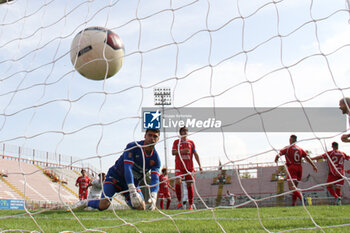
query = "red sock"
{"x": 168, "y": 204}
{"x": 294, "y": 199}
{"x": 178, "y": 191}
{"x": 161, "y": 204}
{"x": 331, "y": 191}
{"x": 338, "y": 191}
{"x": 297, "y": 195}
{"x": 190, "y": 194}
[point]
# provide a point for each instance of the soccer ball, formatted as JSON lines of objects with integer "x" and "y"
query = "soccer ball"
{"x": 97, "y": 53}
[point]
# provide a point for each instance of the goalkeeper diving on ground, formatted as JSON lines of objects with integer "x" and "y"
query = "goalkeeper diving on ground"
{"x": 128, "y": 171}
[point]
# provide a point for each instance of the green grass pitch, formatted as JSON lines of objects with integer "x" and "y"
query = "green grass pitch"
{"x": 273, "y": 219}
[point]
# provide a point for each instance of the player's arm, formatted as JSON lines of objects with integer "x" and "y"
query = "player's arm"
{"x": 196, "y": 156}
{"x": 174, "y": 152}
{"x": 345, "y": 138}
{"x": 154, "y": 184}
{"x": 154, "y": 180}
{"x": 347, "y": 157}
{"x": 317, "y": 157}
{"x": 137, "y": 201}
{"x": 128, "y": 165}
{"x": 77, "y": 182}
{"x": 90, "y": 183}
{"x": 308, "y": 159}
{"x": 278, "y": 156}
{"x": 171, "y": 187}
{"x": 282, "y": 152}
{"x": 174, "y": 149}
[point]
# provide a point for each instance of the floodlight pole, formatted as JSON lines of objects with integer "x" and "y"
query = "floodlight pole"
{"x": 162, "y": 96}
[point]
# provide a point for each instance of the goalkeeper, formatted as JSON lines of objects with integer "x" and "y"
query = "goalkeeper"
{"x": 124, "y": 176}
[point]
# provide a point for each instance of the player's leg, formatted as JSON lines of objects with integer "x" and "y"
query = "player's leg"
{"x": 331, "y": 178}
{"x": 293, "y": 175}
{"x": 161, "y": 200}
{"x": 108, "y": 192}
{"x": 292, "y": 184}
{"x": 110, "y": 187}
{"x": 296, "y": 192}
{"x": 85, "y": 195}
{"x": 299, "y": 174}
{"x": 189, "y": 180}
{"x": 185, "y": 194}
{"x": 331, "y": 191}
{"x": 168, "y": 203}
{"x": 338, "y": 190}
{"x": 81, "y": 205}
{"x": 168, "y": 198}
{"x": 291, "y": 187}
{"x": 190, "y": 194}
{"x": 81, "y": 193}
{"x": 338, "y": 186}
{"x": 100, "y": 204}
{"x": 178, "y": 187}
{"x": 161, "y": 203}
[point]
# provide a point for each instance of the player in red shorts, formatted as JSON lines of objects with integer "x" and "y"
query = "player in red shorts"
{"x": 164, "y": 186}
{"x": 184, "y": 150}
{"x": 335, "y": 160}
{"x": 294, "y": 155}
{"x": 83, "y": 182}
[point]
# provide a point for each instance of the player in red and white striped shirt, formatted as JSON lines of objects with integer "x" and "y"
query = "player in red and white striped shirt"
{"x": 335, "y": 160}
{"x": 294, "y": 154}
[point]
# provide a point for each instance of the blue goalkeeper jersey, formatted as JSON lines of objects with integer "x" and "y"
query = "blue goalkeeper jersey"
{"x": 130, "y": 166}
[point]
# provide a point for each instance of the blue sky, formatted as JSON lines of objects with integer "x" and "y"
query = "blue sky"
{"x": 210, "y": 53}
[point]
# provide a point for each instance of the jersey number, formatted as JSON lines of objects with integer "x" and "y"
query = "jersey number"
{"x": 336, "y": 162}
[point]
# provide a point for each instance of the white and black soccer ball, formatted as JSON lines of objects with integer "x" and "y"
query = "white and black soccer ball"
{"x": 97, "y": 53}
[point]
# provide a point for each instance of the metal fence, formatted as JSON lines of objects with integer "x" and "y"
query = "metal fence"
{"x": 43, "y": 158}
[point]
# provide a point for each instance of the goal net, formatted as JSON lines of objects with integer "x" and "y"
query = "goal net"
{"x": 234, "y": 71}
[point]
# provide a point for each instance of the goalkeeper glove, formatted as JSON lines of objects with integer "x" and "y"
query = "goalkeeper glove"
{"x": 153, "y": 201}
{"x": 135, "y": 198}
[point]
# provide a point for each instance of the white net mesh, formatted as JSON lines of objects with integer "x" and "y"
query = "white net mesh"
{"x": 232, "y": 53}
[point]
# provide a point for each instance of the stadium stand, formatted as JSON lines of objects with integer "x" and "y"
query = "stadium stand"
{"x": 28, "y": 181}
{"x": 42, "y": 187}
{"x": 6, "y": 192}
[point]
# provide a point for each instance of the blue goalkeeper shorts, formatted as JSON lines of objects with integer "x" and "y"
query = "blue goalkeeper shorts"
{"x": 113, "y": 185}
